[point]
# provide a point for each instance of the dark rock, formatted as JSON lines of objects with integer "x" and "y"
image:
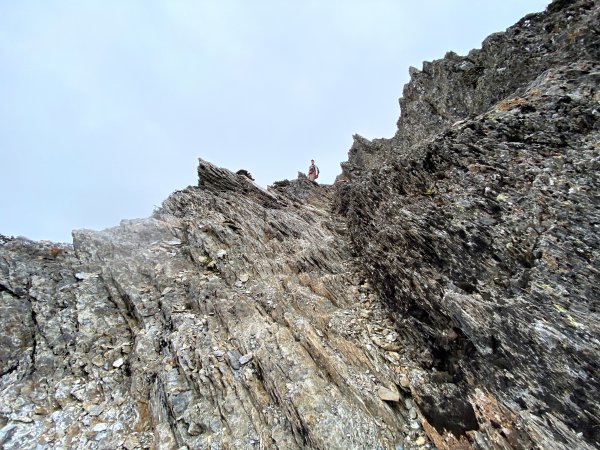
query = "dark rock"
{"x": 245, "y": 173}
{"x": 479, "y": 221}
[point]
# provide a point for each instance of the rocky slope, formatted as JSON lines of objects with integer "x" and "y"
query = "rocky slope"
{"x": 443, "y": 294}
{"x": 478, "y": 223}
{"x": 233, "y": 318}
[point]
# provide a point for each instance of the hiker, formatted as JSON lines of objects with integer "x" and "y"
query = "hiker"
{"x": 313, "y": 171}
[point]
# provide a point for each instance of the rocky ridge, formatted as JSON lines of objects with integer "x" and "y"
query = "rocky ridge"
{"x": 449, "y": 300}
{"x": 233, "y": 318}
{"x": 478, "y": 225}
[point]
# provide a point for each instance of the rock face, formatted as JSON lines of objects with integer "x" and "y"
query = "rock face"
{"x": 443, "y": 295}
{"x": 233, "y": 318}
{"x": 478, "y": 224}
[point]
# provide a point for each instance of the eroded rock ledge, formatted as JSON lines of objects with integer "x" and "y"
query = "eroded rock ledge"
{"x": 449, "y": 299}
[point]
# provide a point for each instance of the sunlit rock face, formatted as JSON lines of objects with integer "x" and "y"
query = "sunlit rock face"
{"x": 442, "y": 294}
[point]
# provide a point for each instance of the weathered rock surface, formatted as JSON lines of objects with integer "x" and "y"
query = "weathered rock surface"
{"x": 478, "y": 223}
{"x": 233, "y": 318}
{"x": 451, "y": 299}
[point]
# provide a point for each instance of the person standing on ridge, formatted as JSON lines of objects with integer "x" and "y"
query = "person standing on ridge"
{"x": 313, "y": 171}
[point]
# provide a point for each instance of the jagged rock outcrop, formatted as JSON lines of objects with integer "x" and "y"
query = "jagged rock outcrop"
{"x": 478, "y": 223}
{"x": 233, "y": 318}
{"x": 443, "y": 294}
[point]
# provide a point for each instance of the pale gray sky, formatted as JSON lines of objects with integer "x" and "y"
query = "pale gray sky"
{"x": 106, "y": 105}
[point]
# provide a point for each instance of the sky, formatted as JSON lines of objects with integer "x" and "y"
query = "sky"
{"x": 106, "y": 105}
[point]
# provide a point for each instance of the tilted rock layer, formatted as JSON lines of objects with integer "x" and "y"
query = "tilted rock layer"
{"x": 442, "y": 294}
{"x": 233, "y": 318}
{"x": 478, "y": 224}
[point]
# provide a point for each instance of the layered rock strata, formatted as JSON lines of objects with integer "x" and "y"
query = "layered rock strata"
{"x": 449, "y": 300}
{"x": 478, "y": 223}
{"x": 233, "y": 318}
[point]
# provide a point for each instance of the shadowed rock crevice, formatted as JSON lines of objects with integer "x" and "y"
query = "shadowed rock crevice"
{"x": 449, "y": 411}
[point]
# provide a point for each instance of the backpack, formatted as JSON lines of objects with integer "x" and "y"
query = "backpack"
{"x": 315, "y": 169}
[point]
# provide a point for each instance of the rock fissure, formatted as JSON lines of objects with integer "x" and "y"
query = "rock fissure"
{"x": 9, "y": 370}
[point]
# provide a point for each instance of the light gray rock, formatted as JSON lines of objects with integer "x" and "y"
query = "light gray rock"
{"x": 98, "y": 428}
{"x": 246, "y": 358}
{"x": 388, "y": 395}
{"x": 118, "y": 362}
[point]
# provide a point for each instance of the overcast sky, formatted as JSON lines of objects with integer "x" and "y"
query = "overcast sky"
{"x": 105, "y": 106}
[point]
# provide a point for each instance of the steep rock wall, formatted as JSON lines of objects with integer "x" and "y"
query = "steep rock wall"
{"x": 478, "y": 223}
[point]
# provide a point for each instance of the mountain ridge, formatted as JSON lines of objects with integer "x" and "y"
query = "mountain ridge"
{"x": 441, "y": 294}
